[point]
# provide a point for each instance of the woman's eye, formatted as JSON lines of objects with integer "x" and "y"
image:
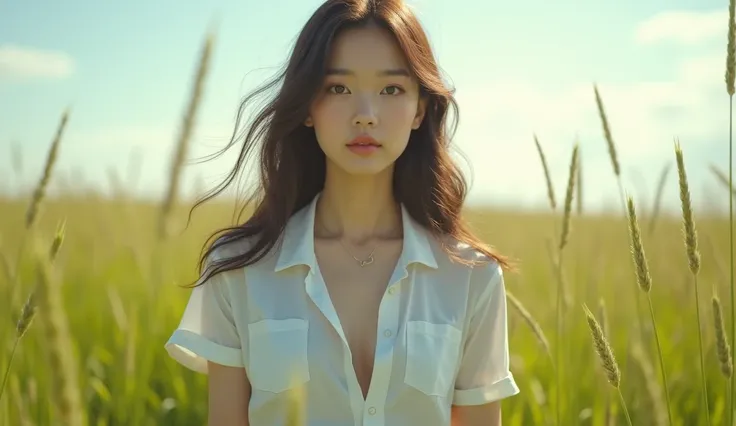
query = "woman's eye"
{"x": 396, "y": 90}
{"x": 338, "y": 89}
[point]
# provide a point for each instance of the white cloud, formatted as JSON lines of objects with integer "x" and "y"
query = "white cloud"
{"x": 26, "y": 62}
{"x": 498, "y": 122}
{"x": 705, "y": 69}
{"x": 683, "y": 27}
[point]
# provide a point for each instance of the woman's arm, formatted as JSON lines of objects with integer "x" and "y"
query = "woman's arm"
{"x": 476, "y": 415}
{"x": 484, "y": 378}
{"x": 229, "y": 394}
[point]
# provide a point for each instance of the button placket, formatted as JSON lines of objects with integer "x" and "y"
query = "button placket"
{"x": 388, "y": 323}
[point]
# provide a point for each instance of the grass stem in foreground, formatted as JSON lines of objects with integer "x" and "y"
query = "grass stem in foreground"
{"x": 564, "y": 239}
{"x": 608, "y": 360}
{"x": 730, "y": 78}
{"x": 644, "y": 280}
{"x": 693, "y": 256}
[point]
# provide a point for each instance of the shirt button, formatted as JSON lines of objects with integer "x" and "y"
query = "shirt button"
{"x": 392, "y": 290}
{"x": 372, "y": 411}
{"x": 387, "y": 333}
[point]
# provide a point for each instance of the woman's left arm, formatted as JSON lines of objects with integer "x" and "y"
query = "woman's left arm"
{"x": 484, "y": 377}
{"x": 477, "y": 415}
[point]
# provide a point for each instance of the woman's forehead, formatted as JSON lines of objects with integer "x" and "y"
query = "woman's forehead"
{"x": 367, "y": 50}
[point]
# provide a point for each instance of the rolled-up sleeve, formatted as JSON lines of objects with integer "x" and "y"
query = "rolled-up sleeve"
{"x": 484, "y": 374}
{"x": 207, "y": 330}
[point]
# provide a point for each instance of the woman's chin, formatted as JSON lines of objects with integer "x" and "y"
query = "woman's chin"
{"x": 361, "y": 166}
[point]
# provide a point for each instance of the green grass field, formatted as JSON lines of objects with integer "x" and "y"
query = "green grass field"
{"x": 121, "y": 300}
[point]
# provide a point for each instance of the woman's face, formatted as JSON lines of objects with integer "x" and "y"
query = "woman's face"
{"x": 368, "y": 91}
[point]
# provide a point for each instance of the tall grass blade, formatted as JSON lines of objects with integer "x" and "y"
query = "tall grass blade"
{"x": 185, "y": 134}
{"x": 564, "y": 239}
{"x": 656, "y": 208}
{"x": 613, "y": 154}
{"x": 644, "y": 281}
{"x": 722, "y": 346}
{"x": 608, "y": 360}
{"x": 40, "y": 192}
{"x": 547, "y": 178}
{"x": 693, "y": 256}
{"x": 730, "y": 77}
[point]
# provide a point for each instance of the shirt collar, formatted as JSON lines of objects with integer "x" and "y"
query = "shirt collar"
{"x": 297, "y": 246}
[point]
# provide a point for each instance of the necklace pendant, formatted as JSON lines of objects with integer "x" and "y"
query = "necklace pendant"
{"x": 366, "y": 262}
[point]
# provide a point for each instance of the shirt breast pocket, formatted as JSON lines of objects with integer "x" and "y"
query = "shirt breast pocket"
{"x": 278, "y": 351}
{"x": 432, "y": 352}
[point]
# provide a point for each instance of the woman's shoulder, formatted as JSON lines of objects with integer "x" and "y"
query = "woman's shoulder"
{"x": 461, "y": 254}
{"x": 227, "y": 250}
{"x": 228, "y": 247}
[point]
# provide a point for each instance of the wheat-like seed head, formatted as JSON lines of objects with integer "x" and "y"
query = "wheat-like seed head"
{"x": 723, "y": 348}
{"x": 58, "y": 345}
{"x": 603, "y": 349}
{"x": 579, "y": 188}
{"x": 185, "y": 134}
{"x": 691, "y": 236}
{"x": 27, "y": 315}
{"x": 58, "y": 240}
{"x": 547, "y": 178}
{"x": 40, "y": 190}
{"x": 731, "y": 49}
{"x": 568, "y": 197}
{"x": 637, "y": 249}
{"x": 607, "y": 133}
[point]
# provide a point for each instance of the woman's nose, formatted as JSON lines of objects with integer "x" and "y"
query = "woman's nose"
{"x": 365, "y": 114}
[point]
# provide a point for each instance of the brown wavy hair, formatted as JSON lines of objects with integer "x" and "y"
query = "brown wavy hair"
{"x": 292, "y": 165}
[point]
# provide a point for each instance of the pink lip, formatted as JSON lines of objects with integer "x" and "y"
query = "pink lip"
{"x": 363, "y": 145}
{"x": 363, "y": 141}
{"x": 363, "y": 150}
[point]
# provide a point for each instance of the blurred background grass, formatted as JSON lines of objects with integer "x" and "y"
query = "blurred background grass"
{"x": 121, "y": 299}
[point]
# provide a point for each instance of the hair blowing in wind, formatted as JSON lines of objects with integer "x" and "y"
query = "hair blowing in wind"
{"x": 291, "y": 163}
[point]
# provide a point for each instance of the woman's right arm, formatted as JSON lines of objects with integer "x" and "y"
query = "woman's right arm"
{"x": 229, "y": 394}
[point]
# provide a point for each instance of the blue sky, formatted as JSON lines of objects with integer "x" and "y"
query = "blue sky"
{"x": 518, "y": 67}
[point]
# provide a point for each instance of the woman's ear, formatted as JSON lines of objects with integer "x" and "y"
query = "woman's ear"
{"x": 421, "y": 110}
{"x": 308, "y": 122}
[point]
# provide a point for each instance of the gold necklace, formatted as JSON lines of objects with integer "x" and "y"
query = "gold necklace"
{"x": 362, "y": 263}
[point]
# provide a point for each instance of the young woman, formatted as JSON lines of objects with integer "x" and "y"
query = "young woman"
{"x": 354, "y": 283}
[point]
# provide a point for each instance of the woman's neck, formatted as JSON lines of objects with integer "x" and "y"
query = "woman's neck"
{"x": 358, "y": 208}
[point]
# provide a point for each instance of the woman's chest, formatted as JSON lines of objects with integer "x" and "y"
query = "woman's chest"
{"x": 355, "y": 331}
{"x": 356, "y": 294}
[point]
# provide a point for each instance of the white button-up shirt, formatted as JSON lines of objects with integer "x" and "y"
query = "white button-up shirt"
{"x": 442, "y": 334}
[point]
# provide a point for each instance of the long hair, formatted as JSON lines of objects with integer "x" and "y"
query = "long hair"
{"x": 292, "y": 165}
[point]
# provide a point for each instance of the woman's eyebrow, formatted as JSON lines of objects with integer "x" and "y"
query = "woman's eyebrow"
{"x": 383, "y": 73}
